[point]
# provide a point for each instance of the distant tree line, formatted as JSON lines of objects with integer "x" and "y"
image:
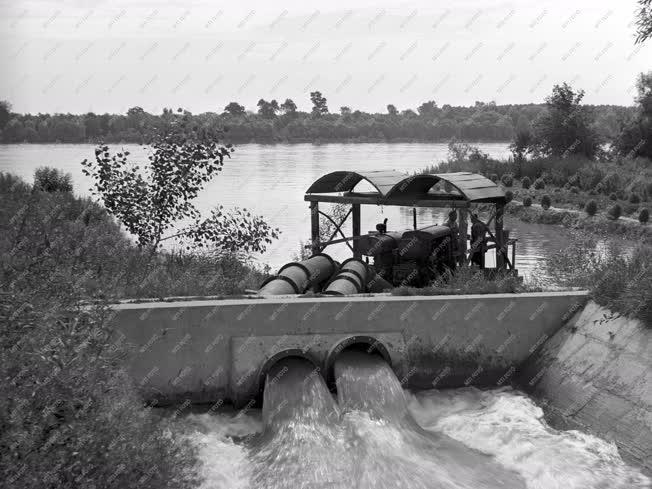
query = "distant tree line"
{"x": 275, "y": 121}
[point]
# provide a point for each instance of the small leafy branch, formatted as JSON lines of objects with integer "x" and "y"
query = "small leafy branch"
{"x": 152, "y": 201}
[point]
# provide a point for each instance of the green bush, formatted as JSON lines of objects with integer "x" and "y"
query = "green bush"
{"x": 634, "y": 198}
{"x": 49, "y": 179}
{"x": 644, "y": 216}
{"x": 494, "y": 177}
{"x": 539, "y": 184}
{"x": 613, "y": 196}
{"x": 509, "y": 196}
{"x": 527, "y": 202}
{"x": 526, "y": 182}
{"x": 612, "y": 182}
{"x": 615, "y": 211}
{"x": 574, "y": 180}
{"x": 545, "y": 202}
{"x": 574, "y": 190}
{"x": 591, "y": 208}
{"x": 507, "y": 180}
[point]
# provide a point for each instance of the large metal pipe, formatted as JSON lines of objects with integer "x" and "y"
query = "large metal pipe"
{"x": 297, "y": 277}
{"x": 351, "y": 279}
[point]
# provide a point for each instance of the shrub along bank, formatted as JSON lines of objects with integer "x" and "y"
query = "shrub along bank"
{"x": 69, "y": 415}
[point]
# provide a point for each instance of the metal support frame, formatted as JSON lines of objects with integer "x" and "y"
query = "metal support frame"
{"x": 338, "y": 229}
{"x": 314, "y": 227}
{"x": 355, "y": 209}
{"x": 501, "y": 249}
{"x": 463, "y": 213}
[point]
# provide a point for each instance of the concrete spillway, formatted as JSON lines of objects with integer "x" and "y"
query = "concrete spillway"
{"x": 211, "y": 350}
{"x": 221, "y": 351}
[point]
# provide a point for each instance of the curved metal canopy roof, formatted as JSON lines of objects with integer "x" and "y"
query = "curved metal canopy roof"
{"x": 396, "y": 188}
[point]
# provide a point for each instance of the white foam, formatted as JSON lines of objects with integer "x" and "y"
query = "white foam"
{"x": 224, "y": 463}
{"x": 510, "y": 426}
{"x": 505, "y": 424}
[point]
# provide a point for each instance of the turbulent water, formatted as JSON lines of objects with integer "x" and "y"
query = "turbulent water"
{"x": 375, "y": 435}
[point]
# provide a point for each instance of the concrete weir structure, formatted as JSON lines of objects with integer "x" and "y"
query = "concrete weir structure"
{"x": 595, "y": 375}
{"x": 221, "y": 350}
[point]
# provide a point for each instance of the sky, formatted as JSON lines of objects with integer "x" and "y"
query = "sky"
{"x": 107, "y": 56}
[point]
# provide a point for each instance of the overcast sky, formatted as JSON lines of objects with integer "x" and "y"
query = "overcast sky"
{"x": 77, "y": 56}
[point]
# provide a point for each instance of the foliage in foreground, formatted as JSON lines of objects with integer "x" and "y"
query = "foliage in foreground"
{"x": 69, "y": 417}
{"x": 617, "y": 279}
{"x": 62, "y": 236}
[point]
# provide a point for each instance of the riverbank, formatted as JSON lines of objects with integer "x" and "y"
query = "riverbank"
{"x": 599, "y": 224}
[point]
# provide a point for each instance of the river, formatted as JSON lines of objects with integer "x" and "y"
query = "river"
{"x": 271, "y": 180}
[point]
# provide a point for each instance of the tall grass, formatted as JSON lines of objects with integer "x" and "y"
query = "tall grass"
{"x": 468, "y": 280}
{"x": 69, "y": 413}
{"x": 616, "y": 279}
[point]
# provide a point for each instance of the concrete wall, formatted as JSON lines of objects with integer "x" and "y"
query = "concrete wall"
{"x": 595, "y": 374}
{"x": 211, "y": 350}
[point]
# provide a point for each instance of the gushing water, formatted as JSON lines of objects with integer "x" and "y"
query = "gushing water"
{"x": 380, "y": 437}
{"x": 302, "y": 444}
{"x": 392, "y": 450}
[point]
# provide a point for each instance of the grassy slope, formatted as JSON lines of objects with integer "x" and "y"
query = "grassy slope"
{"x": 69, "y": 414}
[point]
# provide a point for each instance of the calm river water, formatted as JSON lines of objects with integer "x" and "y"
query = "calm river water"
{"x": 271, "y": 180}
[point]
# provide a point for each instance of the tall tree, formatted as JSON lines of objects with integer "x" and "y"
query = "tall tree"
{"x": 155, "y": 203}
{"x": 565, "y": 127}
{"x": 392, "y": 110}
{"x": 319, "y": 106}
{"x": 428, "y": 109}
{"x": 635, "y": 138}
{"x": 267, "y": 109}
{"x": 234, "y": 108}
{"x": 644, "y": 20}
{"x": 5, "y": 113}
{"x": 289, "y": 107}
